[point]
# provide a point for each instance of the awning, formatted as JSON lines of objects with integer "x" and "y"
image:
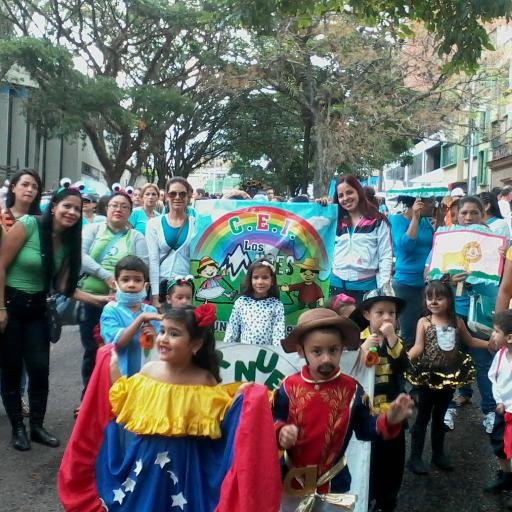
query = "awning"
{"x": 436, "y": 176}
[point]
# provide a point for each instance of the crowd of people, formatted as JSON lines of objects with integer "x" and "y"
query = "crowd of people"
{"x": 126, "y": 259}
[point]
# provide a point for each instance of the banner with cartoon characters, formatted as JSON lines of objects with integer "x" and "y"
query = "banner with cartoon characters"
{"x": 297, "y": 237}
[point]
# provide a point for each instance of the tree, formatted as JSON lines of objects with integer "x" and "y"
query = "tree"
{"x": 457, "y": 25}
{"x": 148, "y": 69}
{"x": 347, "y": 86}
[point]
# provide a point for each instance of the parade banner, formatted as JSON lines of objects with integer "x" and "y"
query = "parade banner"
{"x": 476, "y": 252}
{"x": 297, "y": 237}
{"x": 269, "y": 365}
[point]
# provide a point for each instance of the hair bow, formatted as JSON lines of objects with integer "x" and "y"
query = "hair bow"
{"x": 180, "y": 280}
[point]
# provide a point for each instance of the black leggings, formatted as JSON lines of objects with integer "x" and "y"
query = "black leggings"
{"x": 25, "y": 341}
{"x": 432, "y": 403}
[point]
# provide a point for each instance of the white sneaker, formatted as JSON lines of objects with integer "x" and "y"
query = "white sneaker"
{"x": 488, "y": 422}
{"x": 449, "y": 418}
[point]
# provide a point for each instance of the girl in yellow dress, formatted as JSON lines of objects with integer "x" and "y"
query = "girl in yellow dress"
{"x": 175, "y": 441}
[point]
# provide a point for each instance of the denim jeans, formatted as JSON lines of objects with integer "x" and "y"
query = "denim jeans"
{"x": 412, "y": 311}
{"x": 91, "y": 318}
{"x": 25, "y": 342}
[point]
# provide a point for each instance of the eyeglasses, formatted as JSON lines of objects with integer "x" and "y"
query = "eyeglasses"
{"x": 118, "y": 206}
{"x": 173, "y": 194}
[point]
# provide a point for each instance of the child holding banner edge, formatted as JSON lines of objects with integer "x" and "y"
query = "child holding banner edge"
{"x": 317, "y": 409}
{"x": 257, "y": 317}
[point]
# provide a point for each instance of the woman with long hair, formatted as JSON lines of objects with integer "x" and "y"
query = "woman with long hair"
{"x": 23, "y": 198}
{"x": 169, "y": 236}
{"x": 362, "y": 252}
{"x": 103, "y": 245}
{"x": 141, "y": 215}
{"x": 492, "y": 215}
{"x": 36, "y": 256}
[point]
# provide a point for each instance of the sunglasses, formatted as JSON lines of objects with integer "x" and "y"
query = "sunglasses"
{"x": 173, "y": 194}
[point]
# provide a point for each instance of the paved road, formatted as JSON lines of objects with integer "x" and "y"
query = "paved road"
{"x": 28, "y": 480}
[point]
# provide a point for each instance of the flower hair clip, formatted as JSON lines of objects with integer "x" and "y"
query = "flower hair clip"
{"x": 206, "y": 315}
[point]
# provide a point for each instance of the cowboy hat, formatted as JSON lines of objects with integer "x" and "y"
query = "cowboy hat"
{"x": 322, "y": 317}
{"x": 370, "y": 299}
{"x": 309, "y": 264}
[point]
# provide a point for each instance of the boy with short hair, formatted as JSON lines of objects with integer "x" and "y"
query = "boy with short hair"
{"x": 500, "y": 375}
{"x": 376, "y": 316}
{"x": 128, "y": 319}
{"x": 317, "y": 409}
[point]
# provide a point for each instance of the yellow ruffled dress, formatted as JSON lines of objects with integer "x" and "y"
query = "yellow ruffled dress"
{"x": 146, "y": 406}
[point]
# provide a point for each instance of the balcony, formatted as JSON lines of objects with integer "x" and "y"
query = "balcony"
{"x": 501, "y": 156}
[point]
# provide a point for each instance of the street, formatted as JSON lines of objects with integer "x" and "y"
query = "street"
{"x": 28, "y": 479}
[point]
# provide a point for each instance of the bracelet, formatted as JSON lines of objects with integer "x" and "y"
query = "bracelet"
{"x": 3, "y": 308}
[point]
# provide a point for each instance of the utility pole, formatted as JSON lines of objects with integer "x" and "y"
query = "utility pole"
{"x": 471, "y": 140}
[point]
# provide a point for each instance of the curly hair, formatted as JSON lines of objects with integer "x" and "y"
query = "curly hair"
{"x": 206, "y": 357}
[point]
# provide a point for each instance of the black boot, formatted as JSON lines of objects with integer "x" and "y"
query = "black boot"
{"x": 442, "y": 461}
{"x": 503, "y": 482}
{"x": 415, "y": 462}
{"x": 19, "y": 438}
{"x": 439, "y": 458}
{"x": 40, "y": 435}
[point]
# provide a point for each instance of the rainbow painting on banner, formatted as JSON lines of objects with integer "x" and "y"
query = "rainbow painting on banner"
{"x": 297, "y": 237}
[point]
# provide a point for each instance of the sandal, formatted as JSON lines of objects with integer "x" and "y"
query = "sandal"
{"x": 75, "y": 412}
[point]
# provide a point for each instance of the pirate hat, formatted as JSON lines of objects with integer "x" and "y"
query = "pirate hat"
{"x": 309, "y": 264}
{"x": 322, "y": 317}
{"x": 369, "y": 300}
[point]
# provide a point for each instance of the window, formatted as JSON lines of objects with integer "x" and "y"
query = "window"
{"x": 482, "y": 168}
{"x": 448, "y": 155}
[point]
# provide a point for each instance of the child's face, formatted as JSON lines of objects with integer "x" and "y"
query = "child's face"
{"x": 174, "y": 343}
{"x": 380, "y": 313}
{"x": 499, "y": 339}
{"x": 261, "y": 282}
{"x": 181, "y": 295}
{"x": 437, "y": 304}
{"x": 322, "y": 351}
{"x": 131, "y": 281}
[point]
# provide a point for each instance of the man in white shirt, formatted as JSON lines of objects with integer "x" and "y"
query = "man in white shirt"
{"x": 504, "y": 204}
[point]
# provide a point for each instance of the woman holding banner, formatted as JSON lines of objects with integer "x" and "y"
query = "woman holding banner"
{"x": 470, "y": 213}
{"x": 362, "y": 252}
{"x": 169, "y": 236}
{"x": 412, "y": 235}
